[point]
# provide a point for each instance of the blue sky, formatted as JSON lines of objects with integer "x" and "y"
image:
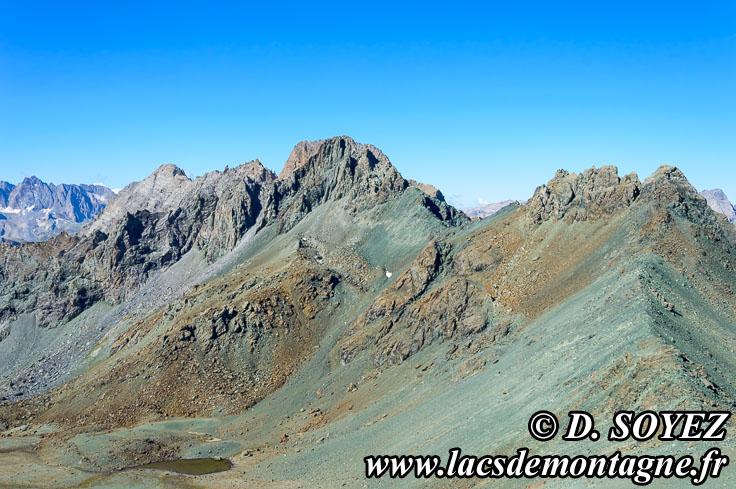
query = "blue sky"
{"x": 484, "y": 100}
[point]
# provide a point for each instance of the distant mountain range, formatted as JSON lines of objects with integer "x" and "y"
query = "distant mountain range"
{"x": 486, "y": 210}
{"x": 35, "y": 210}
{"x": 718, "y": 201}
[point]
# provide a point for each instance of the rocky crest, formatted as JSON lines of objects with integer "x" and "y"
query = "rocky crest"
{"x": 588, "y": 195}
{"x": 151, "y": 224}
{"x": 428, "y": 189}
{"x": 601, "y": 192}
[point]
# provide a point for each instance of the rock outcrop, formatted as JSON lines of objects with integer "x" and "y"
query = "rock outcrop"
{"x": 47, "y": 280}
{"x": 588, "y": 195}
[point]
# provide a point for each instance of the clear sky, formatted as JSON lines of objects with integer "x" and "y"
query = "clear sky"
{"x": 485, "y": 100}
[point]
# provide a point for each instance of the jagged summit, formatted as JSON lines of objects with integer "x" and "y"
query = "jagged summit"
{"x": 305, "y": 150}
{"x": 600, "y": 191}
{"x": 326, "y": 167}
{"x": 254, "y": 170}
{"x": 341, "y": 168}
{"x": 668, "y": 186}
{"x": 152, "y": 224}
{"x": 590, "y": 194}
{"x": 160, "y": 191}
{"x": 665, "y": 172}
{"x": 342, "y": 162}
{"x": 32, "y": 180}
{"x": 169, "y": 170}
{"x": 169, "y": 188}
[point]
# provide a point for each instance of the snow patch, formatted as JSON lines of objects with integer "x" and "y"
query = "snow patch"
{"x": 388, "y": 274}
{"x": 46, "y": 224}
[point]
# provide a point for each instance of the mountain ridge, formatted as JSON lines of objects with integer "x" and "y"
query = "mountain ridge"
{"x": 148, "y": 229}
{"x": 285, "y": 317}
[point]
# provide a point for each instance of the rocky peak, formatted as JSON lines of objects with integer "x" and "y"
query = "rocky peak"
{"x": 583, "y": 196}
{"x": 664, "y": 174}
{"x": 216, "y": 183}
{"x": 253, "y": 170}
{"x": 32, "y": 181}
{"x": 162, "y": 190}
{"x": 336, "y": 147}
{"x": 668, "y": 184}
{"x": 31, "y": 192}
{"x": 299, "y": 156}
{"x": 151, "y": 224}
{"x": 168, "y": 171}
{"x": 598, "y": 192}
{"x": 339, "y": 168}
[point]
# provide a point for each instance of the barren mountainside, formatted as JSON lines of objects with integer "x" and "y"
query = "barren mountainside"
{"x": 298, "y": 323}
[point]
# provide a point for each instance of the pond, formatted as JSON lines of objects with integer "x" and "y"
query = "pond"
{"x": 192, "y": 466}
